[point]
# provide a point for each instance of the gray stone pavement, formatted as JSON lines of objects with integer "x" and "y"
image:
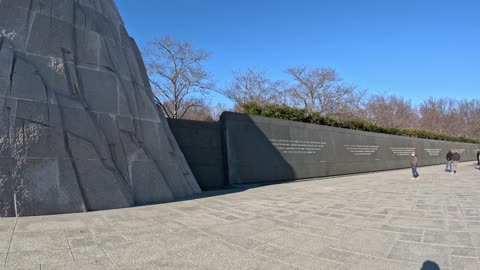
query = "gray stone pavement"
{"x": 372, "y": 221}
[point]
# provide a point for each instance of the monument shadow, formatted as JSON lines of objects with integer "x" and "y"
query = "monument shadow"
{"x": 249, "y": 151}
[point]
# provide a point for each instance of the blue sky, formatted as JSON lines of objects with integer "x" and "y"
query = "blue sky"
{"x": 412, "y": 48}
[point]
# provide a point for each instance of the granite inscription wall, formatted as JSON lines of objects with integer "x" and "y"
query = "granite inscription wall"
{"x": 263, "y": 149}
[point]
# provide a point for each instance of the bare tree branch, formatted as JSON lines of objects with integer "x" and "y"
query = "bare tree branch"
{"x": 322, "y": 90}
{"x": 177, "y": 74}
{"x": 254, "y": 86}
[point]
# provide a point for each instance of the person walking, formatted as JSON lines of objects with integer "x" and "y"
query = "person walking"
{"x": 478, "y": 156}
{"x": 449, "y": 158}
{"x": 414, "y": 163}
{"x": 456, "y": 160}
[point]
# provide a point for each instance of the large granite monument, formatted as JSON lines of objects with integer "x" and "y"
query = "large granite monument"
{"x": 79, "y": 129}
{"x": 260, "y": 149}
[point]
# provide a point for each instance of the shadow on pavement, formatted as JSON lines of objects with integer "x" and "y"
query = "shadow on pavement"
{"x": 429, "y": 265}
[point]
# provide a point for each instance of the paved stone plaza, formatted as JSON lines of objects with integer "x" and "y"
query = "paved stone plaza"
{"x": 370, "y": 221}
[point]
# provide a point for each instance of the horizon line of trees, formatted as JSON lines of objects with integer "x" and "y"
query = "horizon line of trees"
{"x": 286, "y": 112}
{"x": 181, "y": 83}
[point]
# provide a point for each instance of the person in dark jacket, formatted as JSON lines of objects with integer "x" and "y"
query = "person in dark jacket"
{"x": 449, "y": 158}
{"x": 456, "y": 160}
{"x": 478, "y": 156}
{"x": 414, "y": 163}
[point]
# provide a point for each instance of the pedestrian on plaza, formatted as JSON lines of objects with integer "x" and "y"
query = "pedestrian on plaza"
{"x": 414, "y": 163}
{"x": 449, "y": 158}
{"x": 478, "y": 156}
{"x": 456, "y": 160}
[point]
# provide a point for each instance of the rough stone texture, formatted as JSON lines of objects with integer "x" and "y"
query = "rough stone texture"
{"x": 346, "y": 222}
{"x": 79, "y": 130}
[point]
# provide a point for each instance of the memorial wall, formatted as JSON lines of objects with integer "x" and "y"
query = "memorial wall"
{"x": 201, "y": 143}
{"x": 260, "y": 149}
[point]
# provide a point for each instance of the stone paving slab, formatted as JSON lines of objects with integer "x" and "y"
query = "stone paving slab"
{"x": 381, "y": 220}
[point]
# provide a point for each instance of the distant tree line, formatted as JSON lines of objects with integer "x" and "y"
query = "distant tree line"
{"x": 312, "y": 94}
{"x": 302, "y": 115}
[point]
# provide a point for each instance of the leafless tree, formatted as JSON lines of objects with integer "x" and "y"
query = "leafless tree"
{"x": 354, "y": 108}
{"x": 218, "y": 109}
{"x": 321, "y": 90}
{"x": 200, "y": 112}
{"x": 468, "y": 118}
{"x": 391, "y": 111}
{"x": 254, "y": 86}
{"x": 451, "y": 116}
{"x": 177, "y": 75}
{"x": 439, "y": 114}
{"x": 206, "y": 112}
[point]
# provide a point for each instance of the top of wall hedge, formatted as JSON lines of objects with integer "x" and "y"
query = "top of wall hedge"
{"x": 300, "y": 115}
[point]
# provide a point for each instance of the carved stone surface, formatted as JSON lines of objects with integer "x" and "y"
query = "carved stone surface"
{"x": 260, "y": 149}
{"x": 79, "y": 129}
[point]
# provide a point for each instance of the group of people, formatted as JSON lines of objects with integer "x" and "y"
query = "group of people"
{"x": 452, "y": 163}
{"x": 452, "y": 159}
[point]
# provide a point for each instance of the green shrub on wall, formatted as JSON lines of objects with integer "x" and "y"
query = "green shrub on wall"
{"x": 288, "y": 113}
